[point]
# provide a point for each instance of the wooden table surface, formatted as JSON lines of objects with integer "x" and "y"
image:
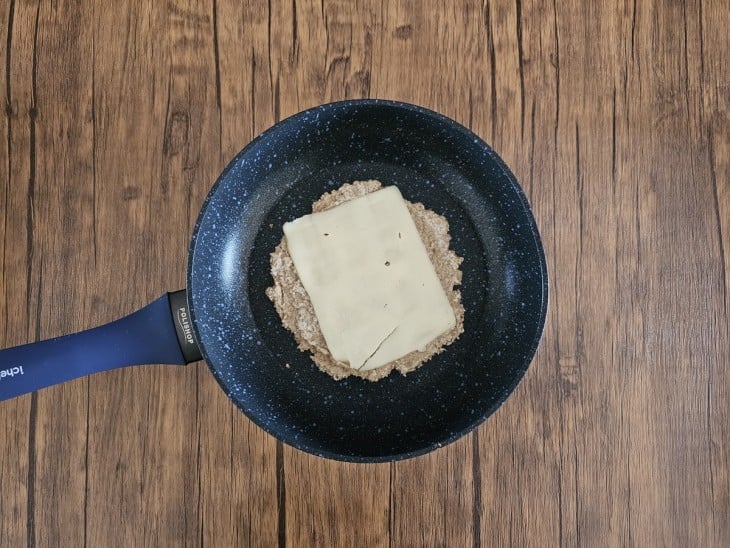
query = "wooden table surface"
{"x": 615, "y": 116}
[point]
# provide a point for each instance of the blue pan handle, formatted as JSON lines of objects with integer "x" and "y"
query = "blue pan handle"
{"x": 161, "y": 332}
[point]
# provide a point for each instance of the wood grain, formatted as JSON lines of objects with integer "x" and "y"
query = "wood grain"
{"x": 615, "y": 117}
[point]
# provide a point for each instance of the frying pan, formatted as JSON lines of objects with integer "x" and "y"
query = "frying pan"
{"x": 224, "y": 316}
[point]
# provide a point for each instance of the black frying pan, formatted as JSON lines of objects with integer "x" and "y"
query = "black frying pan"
{"x": 226, "y": 317}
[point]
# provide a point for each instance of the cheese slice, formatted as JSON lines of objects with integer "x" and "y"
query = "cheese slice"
{"x": 366, "y": 270}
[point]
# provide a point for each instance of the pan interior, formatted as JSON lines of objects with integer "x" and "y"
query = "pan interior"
{"x": 275, "y": 179}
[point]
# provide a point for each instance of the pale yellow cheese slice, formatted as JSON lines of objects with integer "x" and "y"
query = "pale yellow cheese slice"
{"x": 374, "y": 290}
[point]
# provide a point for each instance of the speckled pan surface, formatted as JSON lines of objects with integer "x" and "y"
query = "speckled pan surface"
{"x": 432, "y": 160}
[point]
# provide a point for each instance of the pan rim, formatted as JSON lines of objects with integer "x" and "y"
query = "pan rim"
{"x": 530, "y": 350}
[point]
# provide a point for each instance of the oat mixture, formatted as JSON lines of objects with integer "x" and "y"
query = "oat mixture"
{"x": 297, "y": 313}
